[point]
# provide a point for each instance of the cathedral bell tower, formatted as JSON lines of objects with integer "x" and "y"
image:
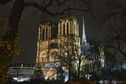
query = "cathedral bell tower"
{"x": 68, "y": 26}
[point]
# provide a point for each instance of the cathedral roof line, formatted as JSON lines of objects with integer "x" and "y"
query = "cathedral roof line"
{"x": 54, "y": 24}
{"x": 69, "y": 18}
{"x": 48, "y": 23}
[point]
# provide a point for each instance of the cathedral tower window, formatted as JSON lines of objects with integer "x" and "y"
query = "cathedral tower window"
{"x": 67, "y": 28}
{"x": 63, "y": 28}
{"x": 43, "y": 33}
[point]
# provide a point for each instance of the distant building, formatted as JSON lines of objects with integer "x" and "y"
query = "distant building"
{"x": 51, "y": 39}
{"x": 21, "y": 73}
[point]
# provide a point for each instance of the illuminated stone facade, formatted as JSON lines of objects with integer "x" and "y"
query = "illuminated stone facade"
{"x": 51, "y": 39}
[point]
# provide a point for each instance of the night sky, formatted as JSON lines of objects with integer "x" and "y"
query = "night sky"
{"x": 32, "y": 17}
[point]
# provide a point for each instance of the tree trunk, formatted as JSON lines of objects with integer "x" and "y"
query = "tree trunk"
{"x": 14, "y": 18}
{"x": 78, "y": 73}
{"x": 4, "y": 66}
{"x": 70, "y": 66}
{"x": 10, "y": 35}
{"x": 69, "y": 72}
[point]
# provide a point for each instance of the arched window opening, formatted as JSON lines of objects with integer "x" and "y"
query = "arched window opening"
{"x": 46, "y": 33}
{"x": 67, "y": 28}
{"x": 43, "y": 34}
{"x": 64, "y": 29}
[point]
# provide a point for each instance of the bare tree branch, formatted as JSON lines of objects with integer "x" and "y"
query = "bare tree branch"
{"x": 49, "y": 4}
{"x": 122, "y": 11}
{"x": 89, "y": 6}
{"x": 116, "y": 48}
{"x": 33, "y": 4}
{"x": 62, "y": 2}
{"x": 4, "y": 1}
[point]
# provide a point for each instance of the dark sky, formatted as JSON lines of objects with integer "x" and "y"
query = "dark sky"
{"x": 32, "y": 17}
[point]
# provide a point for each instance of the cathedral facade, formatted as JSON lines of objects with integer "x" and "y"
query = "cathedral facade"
{"x": 52, "y": 39}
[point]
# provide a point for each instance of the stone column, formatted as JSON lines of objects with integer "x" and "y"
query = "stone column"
{"x": 77, "y": 29}
{"x": 48, "y": 32}
{"x": 65, "y": 28}
{"x": 37, "y": 52}
{"x": 39, "y": 33}
{"x": 62, "y": 28}
{"x": 74, "y": 27}
{"x": 69, "y": 27}
{"x": 59, "y": 29}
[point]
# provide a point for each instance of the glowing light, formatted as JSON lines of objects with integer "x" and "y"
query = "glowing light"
{"x": 101, "y": 82}
{"x": 21, "y": 79}
{"x": 102, "y": 62}
{"x": 66, "y": 78}
{"x": 51, "y": 74}
{"x": 15, "y": 78}
{"x": 88, "y": 76}
{"x": 46, "y": 77}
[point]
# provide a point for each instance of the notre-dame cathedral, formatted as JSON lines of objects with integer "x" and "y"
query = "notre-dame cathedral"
{"x": 56, "y": 38}
{"x": 52, "y": 38}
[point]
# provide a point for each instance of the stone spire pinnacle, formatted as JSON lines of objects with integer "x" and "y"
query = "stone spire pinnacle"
{"x": 84, "y": 41}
